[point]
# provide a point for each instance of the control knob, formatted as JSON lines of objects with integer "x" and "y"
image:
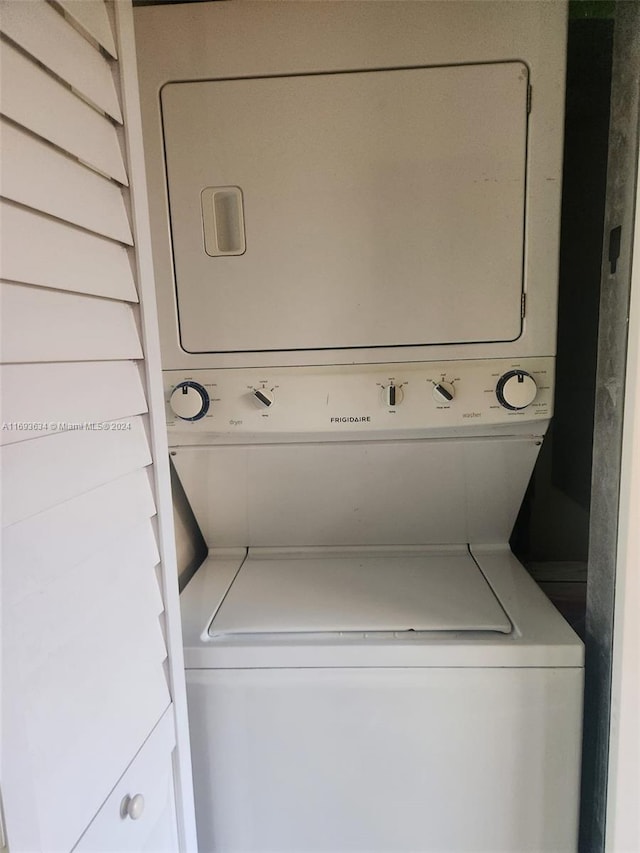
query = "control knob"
{"x": 393, "y": 395}
{"x": 443, "y": 392}
{"x": 516, "y": 390}
{"x": 263, "y": 398}
{"x": 189, "y": 401}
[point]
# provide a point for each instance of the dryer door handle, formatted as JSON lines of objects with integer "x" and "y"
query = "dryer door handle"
{"x": 223, "y": 221}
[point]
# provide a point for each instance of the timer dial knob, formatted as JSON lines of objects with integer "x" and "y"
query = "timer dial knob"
{"x": 263, "y": 398}
{"x": 393, "y": 395}
{"x": 189, "y": 401}
{"x": 443, "y": 392}
{"x": 516, "y": 390}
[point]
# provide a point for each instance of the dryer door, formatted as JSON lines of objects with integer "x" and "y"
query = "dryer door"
{"x": 365, "y": 209}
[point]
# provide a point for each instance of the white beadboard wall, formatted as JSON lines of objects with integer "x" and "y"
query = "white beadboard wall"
{"x": 92, "y": 652}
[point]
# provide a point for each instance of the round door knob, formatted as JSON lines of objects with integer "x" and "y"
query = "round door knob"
{"x": 443, "y": 392}
{"x": 263, "y": 398}
{"x": 393, "y": 395}
{"x": 133, "y": 807}
{"x": 189, "y": 401}
{"x": 516, "y": 390}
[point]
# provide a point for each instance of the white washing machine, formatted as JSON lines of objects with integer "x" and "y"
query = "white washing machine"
{"x": 349, "y": 688}
{"x": 355, "y": 212}
{"x": 380, "y": 699}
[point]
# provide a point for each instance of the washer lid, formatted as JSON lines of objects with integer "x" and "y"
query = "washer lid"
{"x": 372, "y": 590}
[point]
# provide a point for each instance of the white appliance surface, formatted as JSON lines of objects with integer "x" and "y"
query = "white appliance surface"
{"x": 536, "y": 635}
{"x": 431, "y": 589}
{"x": 382, "y": 741}
{"x": 368, "y": 208}
{"x": 394, "y": 193}
{"x": 439, "y": 491}
{"x": 355, "y": 400}
{"x": 386, "y": 760}
{"x": 356, "y": 215}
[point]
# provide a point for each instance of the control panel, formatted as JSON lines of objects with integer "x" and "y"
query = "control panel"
{"x": 425, "y": 397}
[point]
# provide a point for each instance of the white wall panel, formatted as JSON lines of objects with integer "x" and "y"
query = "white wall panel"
{"x": 44, "y": 325}
{"x": 64, "y": 395}
{"x": 623, "y": 795}
{"x": 40, "y": 549}
{"x": 37, "y": 249}
{"x": 41, "y": 473}
{"x": 42, "y": 32}
{"x": 33, "y": 98}
{"x": 93, "y": 18}
{"x": 37, "y": 175}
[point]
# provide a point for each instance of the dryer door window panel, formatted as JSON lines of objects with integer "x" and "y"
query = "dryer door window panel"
{"x": 374, "y": 209}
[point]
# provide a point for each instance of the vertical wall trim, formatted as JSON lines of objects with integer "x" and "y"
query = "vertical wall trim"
{"x": 623, "y": 816}
{"x": 157, "y": 426}
{"x": 608, "y": 426}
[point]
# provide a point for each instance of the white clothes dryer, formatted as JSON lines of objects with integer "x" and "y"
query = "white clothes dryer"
{"x": 339, "y": 183}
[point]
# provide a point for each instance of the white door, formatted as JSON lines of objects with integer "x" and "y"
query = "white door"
{"x": 381, "y": 208}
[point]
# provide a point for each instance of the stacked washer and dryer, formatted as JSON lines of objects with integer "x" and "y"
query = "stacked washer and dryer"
{"x": 355, "y": 210}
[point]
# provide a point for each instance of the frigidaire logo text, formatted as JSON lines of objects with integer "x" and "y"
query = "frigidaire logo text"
{"x": 354, "y": 420}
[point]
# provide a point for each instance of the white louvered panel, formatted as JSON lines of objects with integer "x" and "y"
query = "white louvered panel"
{"x": 33, "y": 98}
{"x": 165, "y": 833}
{"x": 80, "y": 554}
{"x": 168, "y": 573}
{"x": 39, "y": 250}
{"x": 38, "y": 551}
{"x": 88, "y": 712}
{"x": 110, "y": 686}
{"x": 93, "y": 18}
{"x": 63, "y": 816}
{"x": 150, "y": 773}
{"x": 47, "y": 325}
{"x": 158, "y": 602}
{"x": 103, "y": 584}
{"x": 18, "y": 799}
{"x": 38, "y": 399}
{"x": 38, "y": 176}
{"x": 41, "y": 473}
{"x": 42, "y": 32}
